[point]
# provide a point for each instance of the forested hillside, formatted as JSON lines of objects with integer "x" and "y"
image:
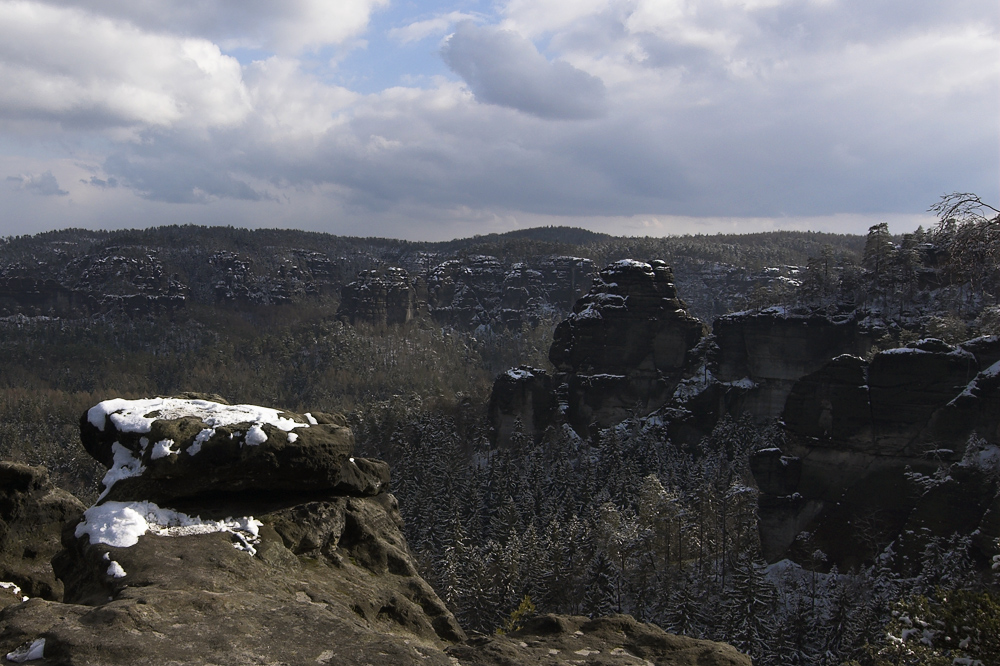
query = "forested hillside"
{"x": 619, "y": 520}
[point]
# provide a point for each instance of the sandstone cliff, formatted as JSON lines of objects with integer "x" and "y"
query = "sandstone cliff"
{"x": 465, "y": 293}
{"x": 625, "y": 348}
{"x": 901, "y": 449}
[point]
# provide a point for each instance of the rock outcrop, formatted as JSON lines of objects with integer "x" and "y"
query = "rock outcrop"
{"x": 32, "y": 513}
{"x": 233, "y": 534}
{"x": 381, "y": 297}
{"x": 772, "y": 349}
{"x": 524, "y": 398}
{"x": 466, "y": 293}
{"x": 626, "y": 346}
{"x": 236, "y": 534}
{"x": 880, "y": 452}
{"x": 609, "y": 641}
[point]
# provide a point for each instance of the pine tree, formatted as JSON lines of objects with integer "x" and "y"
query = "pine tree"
{"x": 748, "y": 608}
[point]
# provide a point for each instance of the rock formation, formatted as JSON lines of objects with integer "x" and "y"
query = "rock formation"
{"x": 626, "y": 346}
{"x": 773, "y": 349}
{"x": 884, "y": 451}
{"x": 237, "y": 534}
{"x": 608, "y": 641}
{"x": 381, "y": 297}
{"x": 233, "y": 534}
{"x": 522, "y": 398}
{"x": 465, "y": 293}
{"x": 32, "y": 513}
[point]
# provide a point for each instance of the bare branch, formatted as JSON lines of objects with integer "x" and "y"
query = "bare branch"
{"x": 962, "y": 207}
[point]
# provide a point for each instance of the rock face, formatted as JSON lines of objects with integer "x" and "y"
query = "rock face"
{"x": 774, "y": 349}
{"x": 235, "y": 564}
{"x": 477, "y": 290}
{"x": 164, "y": 448}
{"x": 522, "y": 397}
{"x": 626, "y": 346}
{"x": 883, "y": 451}
{"x": 32, "y": 513}
{"x": 381, "y": 297}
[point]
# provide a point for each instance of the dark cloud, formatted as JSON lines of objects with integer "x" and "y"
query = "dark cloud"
{"x": 108, "y": 184}
{"x": 44, "y": 184}
{"x": 167, "y": 168}
{"x": 503, "y": 68}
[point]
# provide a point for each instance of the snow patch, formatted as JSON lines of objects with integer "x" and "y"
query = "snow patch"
{"x": 199, "y": 440}
{"x": 124, "y": 465}
{"x": 162, "y": 449}
{"x": 138, "y": 415}
{"x": 255, "y": 436}
{"x": 631, "y": 263}
{"x": 115, "y": 570}
{"x": 745, "y": 383}
{"x": 905, "y": 350}
{"x": 14, "y": 589}
{"x": 28, "y": 652}
{"x": 292, "y": 438}
{"x": 120, "y": 524}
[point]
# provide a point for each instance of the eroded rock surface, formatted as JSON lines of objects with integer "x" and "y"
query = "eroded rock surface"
{"x": 166, "y": 448}
{"x": 902, "y": 449}
{"x": 32, "y": 513}
{"x": 381, "y": 297}
{"x": 477, "y": 290}
{"x": 626, "y": 346}
{"x": 524, "y": 398}
{"x": 552, "y": 640}
{"x": 772, "y": 349}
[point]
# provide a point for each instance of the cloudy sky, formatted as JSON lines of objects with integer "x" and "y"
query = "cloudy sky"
{"x": 443, "y": 118}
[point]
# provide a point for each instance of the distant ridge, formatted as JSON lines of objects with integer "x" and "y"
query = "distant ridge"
{"x": 567, "y": 235}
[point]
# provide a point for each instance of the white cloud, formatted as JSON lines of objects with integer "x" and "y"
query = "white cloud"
{"x": 287, "y": 27}
{"x": 289, "y": 102}
{"x": 503, "y": 68}
{"x": 536, "y": 17}
{"x": 73, "y": 68}
{"x": 439, "y": 25}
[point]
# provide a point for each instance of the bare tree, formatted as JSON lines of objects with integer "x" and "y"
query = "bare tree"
{"x": 971, "y": 229}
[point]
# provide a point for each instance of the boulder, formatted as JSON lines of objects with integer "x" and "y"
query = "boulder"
{"x": 164, "y": 448}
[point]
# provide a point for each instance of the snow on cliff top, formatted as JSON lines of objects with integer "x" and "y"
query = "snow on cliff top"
{"x": 120, "y": 524}
{"x": 131, "y": 415}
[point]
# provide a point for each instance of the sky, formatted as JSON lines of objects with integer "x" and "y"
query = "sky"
{"x": 437, "y": 119}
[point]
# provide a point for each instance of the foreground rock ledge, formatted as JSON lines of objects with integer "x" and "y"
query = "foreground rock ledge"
{"x": 266, "y": 574}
